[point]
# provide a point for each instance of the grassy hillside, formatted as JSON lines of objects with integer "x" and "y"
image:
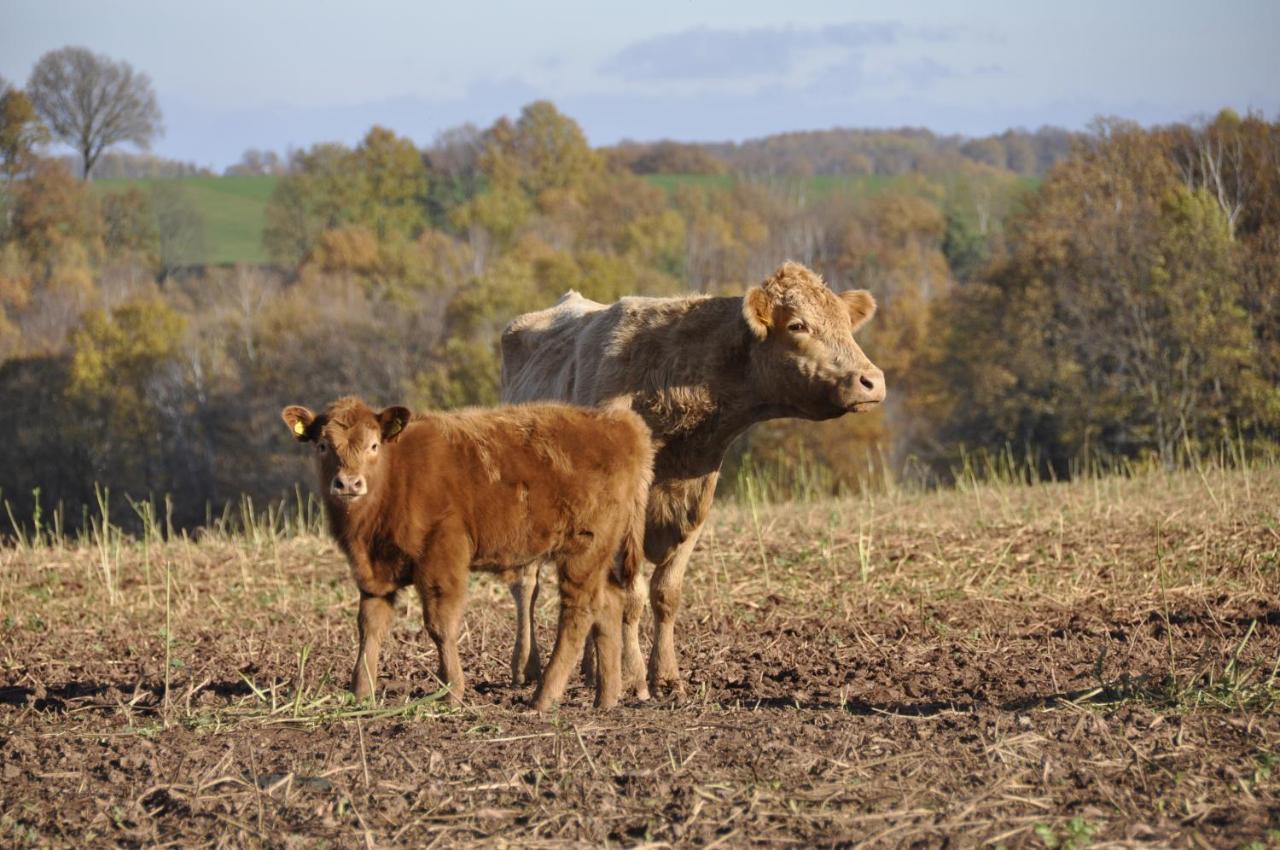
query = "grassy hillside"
{"x": 1055, "y": 665}
{"x": 233, "y": 209}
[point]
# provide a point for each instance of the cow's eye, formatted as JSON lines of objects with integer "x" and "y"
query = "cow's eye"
{"x": 797, "y": 327}
{"x": 373, "y": 448}
{"x": 321, "y": 447}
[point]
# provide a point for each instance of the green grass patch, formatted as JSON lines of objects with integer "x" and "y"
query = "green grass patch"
{"x": 233, "y": 210}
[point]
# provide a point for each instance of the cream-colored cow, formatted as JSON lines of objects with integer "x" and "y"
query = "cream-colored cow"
{"x": 700, "y": 370}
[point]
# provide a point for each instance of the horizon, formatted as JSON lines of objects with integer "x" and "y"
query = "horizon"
{"x": 305, "y": 74}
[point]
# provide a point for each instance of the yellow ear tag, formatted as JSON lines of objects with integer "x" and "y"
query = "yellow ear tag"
{"x": 299, "y": 428}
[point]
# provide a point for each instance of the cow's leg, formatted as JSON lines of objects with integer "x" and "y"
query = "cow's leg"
{"x": 525, "y": 665}
{"x": 373, "y": 623}
{"x": 635, "y": 596}
{"x": 607, "y": 633}
{"x": 441, "y": 579}
{"x": 664, "y": 596}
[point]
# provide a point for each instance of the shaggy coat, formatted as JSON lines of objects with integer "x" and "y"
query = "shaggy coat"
{"x": 700, "y": 370}
{"x": 424, "y": 500}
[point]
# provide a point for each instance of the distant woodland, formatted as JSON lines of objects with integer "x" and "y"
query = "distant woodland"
{"x": 1049, "y": 298}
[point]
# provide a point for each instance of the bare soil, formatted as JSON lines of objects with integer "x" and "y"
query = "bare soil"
{"x": 1090, "y": 664}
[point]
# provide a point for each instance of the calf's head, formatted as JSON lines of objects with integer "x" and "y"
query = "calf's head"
{"x": 804, "y": 356}
{"x": 349, "y": 439}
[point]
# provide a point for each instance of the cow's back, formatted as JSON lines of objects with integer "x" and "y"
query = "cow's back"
{"x": 570, "y": 352}
{"x": 539, "y": 348}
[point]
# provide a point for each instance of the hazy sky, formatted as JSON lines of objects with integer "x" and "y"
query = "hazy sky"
{"x": 274, "y": 73}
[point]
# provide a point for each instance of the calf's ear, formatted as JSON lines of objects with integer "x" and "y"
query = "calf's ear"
{"x": 757, "y": 309}
{"x": 299, "y": 420}
{"x": 393, "y": 420}
{"x": 861, "y": 306}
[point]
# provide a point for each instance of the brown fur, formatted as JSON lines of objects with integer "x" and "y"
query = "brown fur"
{"x": 700, "y": 370}
{"x": 441, "y": 494}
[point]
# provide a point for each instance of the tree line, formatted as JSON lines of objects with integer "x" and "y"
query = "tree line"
{"x": 1124, "y": 306}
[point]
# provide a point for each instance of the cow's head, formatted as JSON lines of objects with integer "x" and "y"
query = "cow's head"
{"x": 804, "y": 356}
{"x": 349, "y": 439}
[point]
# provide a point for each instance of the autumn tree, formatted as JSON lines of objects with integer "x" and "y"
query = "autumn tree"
{"x": 393, "y": 185}
{"x": 454, "y": 175}
{"x": 1115, "y": 326}
{"x": 380, "y": 186}
{"x": 129, "y": 228}
{"x": 22, "y": 132}
{"x": 118, "y": 365}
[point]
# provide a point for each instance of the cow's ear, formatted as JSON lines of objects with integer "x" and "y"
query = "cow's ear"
{"x": 757, "y": 309}
{"x": 299, "y": 420}
{"x": 392, "y": 421}
{"x": 861, "y": 306}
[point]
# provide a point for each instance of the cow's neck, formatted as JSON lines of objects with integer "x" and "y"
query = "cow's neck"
{"x": 700, "y": 394}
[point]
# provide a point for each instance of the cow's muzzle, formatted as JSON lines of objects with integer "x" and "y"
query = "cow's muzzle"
{"x": 862, "y": 389}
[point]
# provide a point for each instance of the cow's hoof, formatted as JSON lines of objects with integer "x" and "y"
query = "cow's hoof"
{"x": 672, "y": 686}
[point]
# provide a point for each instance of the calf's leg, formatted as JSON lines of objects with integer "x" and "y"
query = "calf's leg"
{"x": 525, "y": 665}
{"x": 441, "y": 580}
{"x": 607, "y": 633}
{"x": 577, "y": 604}
{"x": 373, "y": 623}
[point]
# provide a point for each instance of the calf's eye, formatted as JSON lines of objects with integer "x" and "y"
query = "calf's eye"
{"x": 373, "y": 448}
{"x": 797, "y": 327}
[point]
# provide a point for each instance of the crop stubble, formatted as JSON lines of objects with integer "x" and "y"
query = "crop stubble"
{"x": 1086, "y": 662}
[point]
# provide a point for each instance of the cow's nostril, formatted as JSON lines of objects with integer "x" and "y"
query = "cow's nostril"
{"x": 867, "y": 382}
{"x": 337, "y": 483}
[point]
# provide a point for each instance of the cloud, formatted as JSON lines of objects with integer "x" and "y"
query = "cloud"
{"x": 922, "y": 73}
{"x": 702, "y": 53}
{"x": 861, "y": 33}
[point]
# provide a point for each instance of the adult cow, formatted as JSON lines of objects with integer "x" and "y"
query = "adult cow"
{"x": 700, "y": 370}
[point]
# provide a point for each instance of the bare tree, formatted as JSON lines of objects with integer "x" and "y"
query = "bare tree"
{"x": 180, "y": 227}
{"x": 92, "y": 102}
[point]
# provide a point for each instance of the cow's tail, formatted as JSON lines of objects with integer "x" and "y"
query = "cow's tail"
{"x": 631, "y": 558}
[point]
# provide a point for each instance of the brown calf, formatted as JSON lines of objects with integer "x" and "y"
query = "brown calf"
{"x": 423, "y": 500}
